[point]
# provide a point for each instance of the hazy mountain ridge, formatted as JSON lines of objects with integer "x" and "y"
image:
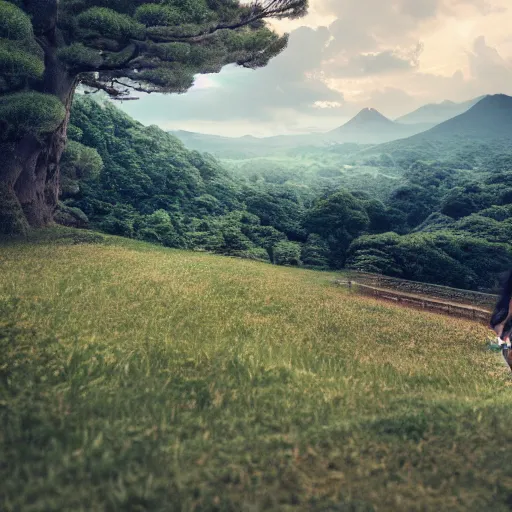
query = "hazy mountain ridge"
{"x": 487, "y": 123}
{"x": 246, "y": 146}
{"x": 436, "y": 113}
{"x": 366, "y": 117}
{"x": 368, "y": 127}
{"x": 484, "y": 120}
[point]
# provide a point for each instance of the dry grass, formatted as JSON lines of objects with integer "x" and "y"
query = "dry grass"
{"x": 139, "y": 378}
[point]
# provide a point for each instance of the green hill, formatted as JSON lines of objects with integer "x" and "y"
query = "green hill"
{"x": 134, "y": 377}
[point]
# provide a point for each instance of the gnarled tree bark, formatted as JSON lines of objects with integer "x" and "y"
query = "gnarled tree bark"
{"x": 29, "y": 174}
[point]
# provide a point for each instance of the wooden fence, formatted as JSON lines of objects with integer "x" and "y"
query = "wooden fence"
{"x": 417, "y": 301}
{"x": 438, "y": 292}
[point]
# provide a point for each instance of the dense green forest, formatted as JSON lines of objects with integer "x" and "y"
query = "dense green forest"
{"x": 446, "y": 220}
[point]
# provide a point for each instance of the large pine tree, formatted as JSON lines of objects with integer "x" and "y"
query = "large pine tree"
{"x": 48, "y": 47}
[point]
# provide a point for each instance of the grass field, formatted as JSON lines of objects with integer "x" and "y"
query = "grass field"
{"x": 138, "y": 378}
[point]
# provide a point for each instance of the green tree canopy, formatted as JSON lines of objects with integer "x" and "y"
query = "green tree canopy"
{"x": 148, "y": 46}
{"x": 339, "y": 219}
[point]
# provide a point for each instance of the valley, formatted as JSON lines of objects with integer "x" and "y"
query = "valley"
{"x": 434, "y": 207}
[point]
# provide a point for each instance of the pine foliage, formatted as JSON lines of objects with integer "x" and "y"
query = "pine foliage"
{"x": 118, "y": 46}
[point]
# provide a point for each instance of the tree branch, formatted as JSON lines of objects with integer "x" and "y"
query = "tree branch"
{"x": 133, "y": 54}
{"x": 111, "y": 89}
{"x": 100, "y": 86}
{"x": 138, "y": 88}
{"x": 269, "y": 9}
{"x": 113, "y": 66}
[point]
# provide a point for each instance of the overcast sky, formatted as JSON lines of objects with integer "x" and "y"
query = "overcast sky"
{"x": 393, "y": 55}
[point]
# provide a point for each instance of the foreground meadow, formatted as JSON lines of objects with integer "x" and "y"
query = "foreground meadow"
{"x": 138, "y": 378}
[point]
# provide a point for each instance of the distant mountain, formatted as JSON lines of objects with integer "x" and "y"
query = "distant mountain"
{"x": 246, "y": 146}
{"x": 365, "y": 118}
{"x": 487, "y": 126}
{"x": 369, "y": 126}
{"x": 490, "y": 118}
{"x": 436, "y": 113}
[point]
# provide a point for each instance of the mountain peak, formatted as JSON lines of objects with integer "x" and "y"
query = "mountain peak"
{"x": 365, "y": 119}
{"x": 495, "y": 101}
{"x": 369, "y": 126}
{"x": 369, "y": 115}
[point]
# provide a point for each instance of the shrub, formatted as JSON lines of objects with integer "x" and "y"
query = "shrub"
{"x": 287, "y": 253}
{"x": 12, "y": 219}
{"x": 256, "y": 253}
{"x": 80, "y": 162}
{"x": 30, "y": 112}
{"x": 70, "y": 216}
{"x": 14, "y": 23}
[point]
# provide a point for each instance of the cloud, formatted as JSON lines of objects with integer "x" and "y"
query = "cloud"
{"x": 349, "y": 37}
{"x": 485, "y": 7}
{"x": 486, "y": 64}
{"x": 378, "y": 63}
{"x": 388, "y": 21}
{"x": 391, "y": 99}
{"x": 419, "y": 10}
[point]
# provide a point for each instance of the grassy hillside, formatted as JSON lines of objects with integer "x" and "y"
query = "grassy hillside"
{"x": 134, "y": 377}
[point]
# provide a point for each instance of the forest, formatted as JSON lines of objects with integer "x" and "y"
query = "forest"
{"x": 444, "y": 220}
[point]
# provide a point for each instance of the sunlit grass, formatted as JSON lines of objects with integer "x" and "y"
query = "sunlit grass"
{"x": 139, "y": 378}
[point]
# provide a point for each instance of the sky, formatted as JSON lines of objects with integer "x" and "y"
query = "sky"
{"x": 345, "y": 55}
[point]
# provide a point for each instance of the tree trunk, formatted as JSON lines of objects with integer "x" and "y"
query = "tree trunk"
{"x": 29, "y": 175}
{"x": 37, "y": 186}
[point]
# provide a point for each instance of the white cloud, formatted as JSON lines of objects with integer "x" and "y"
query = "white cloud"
{"x": 327, "y": 104}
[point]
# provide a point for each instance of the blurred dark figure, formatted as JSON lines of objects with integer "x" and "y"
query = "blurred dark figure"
{"x": 501, "y": 319}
